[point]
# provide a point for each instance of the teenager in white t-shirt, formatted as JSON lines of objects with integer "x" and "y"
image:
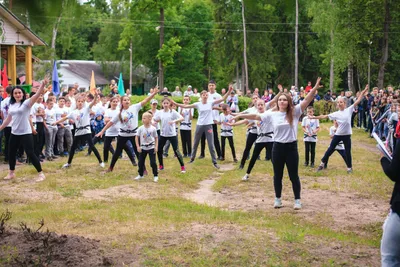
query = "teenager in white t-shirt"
{"x": 112, "y": 132}
{"x": 168, "y": 119}
{"x": 205, "y": 123}
{"x": 226, "y": 131}
{"x": 186, "y": 127}
{"x": 83, "y": 134}
{"x": 64, "y": 129}
{"x": 310, "y": 129}
{"x": 340, "y": 147}
{"x": 21, "y": 132}
{"x": 128, "y": 125}
{"x": 38, "y": 112}
{"x": 51, "y": 129}
{"x": 343, "y": 132}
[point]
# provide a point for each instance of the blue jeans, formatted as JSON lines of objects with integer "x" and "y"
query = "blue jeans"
{"x": 390, "y": 249}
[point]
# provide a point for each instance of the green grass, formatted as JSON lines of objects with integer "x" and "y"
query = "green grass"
{"x": 159, "y": 224}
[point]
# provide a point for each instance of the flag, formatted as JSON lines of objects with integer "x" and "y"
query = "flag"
{"x": 55, "y": 81}
{"x": 92, "y": 84}
{"x": 4, "y": 80}
{"x": 121, "y": 90}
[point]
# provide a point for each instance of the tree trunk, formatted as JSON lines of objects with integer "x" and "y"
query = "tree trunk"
{"x": 243, "y": 80}
{"x": 160, "y": 64}
{"x": 332, "y": 69}
{"x": 296, "y": 52}
{"x": 237, "y": 77}
{"x": 385, "y": 47}
{"x": 246, "y": 72}
{"x": 350, "y": 74}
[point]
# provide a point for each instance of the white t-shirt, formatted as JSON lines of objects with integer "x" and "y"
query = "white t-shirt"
{"x": 5, "y": 107}
{"x": 81, "y": 117}
{"x": 283, "y": 131}
{"x": 99, "y": 108}
{"x": 35, "y": 108}
{"x": 63, "y": 111}
{"x": 252, "y": 129}
{"x": 154, "y": 122}
{"x": 50, "y": 115}
{"x": 147, "y": 137}
{"x": 186, "y": 124}
{"x": 332, "y": 132}
{"x": 311, "y": 125}
{"x": 265, "y": 129}
{"x": 226, "y": 130}
{"x": 211, "y": 98}
{"x": 343, "y": 119}
{"x": 20, "y": 114}
{"x": 205, "y": 113}
{"x": 114, "y": 129}
{"x": 129, "y": 124}
{"x": 165, "y": 117}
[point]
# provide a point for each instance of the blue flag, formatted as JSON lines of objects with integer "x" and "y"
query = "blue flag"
{"x": 56, "y": 83}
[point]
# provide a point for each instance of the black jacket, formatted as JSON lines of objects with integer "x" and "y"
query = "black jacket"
{"x": 392, "y": 170}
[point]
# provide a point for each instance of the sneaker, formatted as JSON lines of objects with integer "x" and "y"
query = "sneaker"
{"x": 41, "y": 177}
{"x": 201, "y": 157}
{"x": 161, "y": 167}
{"x": 241, "y": 167}
{"x": 349, "y": 170}
{"x": 191, "y": 161}
{"x": 305, "y": 164}
{"x": 277, "y": 203}
{"x": 155, "y": 179}
{"x": 145, "y": 173}
{"x": 66, "y": 165}
{"x": 321, "y": 167}
{"x": 312, "y": 165}
{"x": 102, "y": 164}
{"x": 138, "y": 178}
{"x": 10, "y": 176}
{"x": 183, "y": 169}
{"x": 245, "y": 177}
{"x": 235, "y": 160}
{"x": 297, "y": 204}
{"x": 216, "y": 166}
{"x": 134, "y": 163}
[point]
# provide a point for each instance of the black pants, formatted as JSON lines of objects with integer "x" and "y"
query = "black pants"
{"x": 286, "y": 154}
{"x": 347, "y": 147}
{"x": 216, "y": 142}
{"x": 186, "y": 138}
{"x": 310, "y": 149}
{"x": 108, "y": 147}
{"x": 352, "y": 119}
{"x": 82, "y": 139}
{"x": 174, "y": 143}
{"x": 27, "y": 142}
{"x": 121, "y": 145}
{"x": 7, "y": 134}
{"x": 142, "y": 160}
{"x": 231, "y": 144}
{"x": 342, "y": 153}
{"x": 40, "y": 138}
{"x": 251, "y": 138}
{"x": 256, "y": 153}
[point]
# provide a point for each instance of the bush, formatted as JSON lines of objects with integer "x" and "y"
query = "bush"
{"x": 323, "y": 107}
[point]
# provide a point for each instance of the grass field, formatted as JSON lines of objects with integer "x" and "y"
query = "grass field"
{"x": 208, "y": 217}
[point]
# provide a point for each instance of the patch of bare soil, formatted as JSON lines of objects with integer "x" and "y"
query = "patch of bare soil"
{"x": 18, "y": 248}
{"x": 15, "y": 193}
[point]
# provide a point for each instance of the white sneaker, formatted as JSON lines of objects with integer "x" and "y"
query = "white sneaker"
{"x": 102, "y": 165}
{"x": 277, "y": 203}
{"x": 66, "y": 165}
{"x": 297, "y": 204}
{"x": 245, "y": 177}
{"x": 138, "y": 178}
{"x": 156, "y": 179}
{"x": 41, "y": 177}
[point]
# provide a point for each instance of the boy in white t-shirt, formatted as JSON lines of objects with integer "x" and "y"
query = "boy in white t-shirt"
{"x": 310, "y": 128}
{"x": 186, "y": 127}
{"x": 226, "y": 131}
{"x": 340, "y": 146}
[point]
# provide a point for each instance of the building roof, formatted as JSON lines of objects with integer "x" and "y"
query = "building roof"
{"x": 84, "y": 68}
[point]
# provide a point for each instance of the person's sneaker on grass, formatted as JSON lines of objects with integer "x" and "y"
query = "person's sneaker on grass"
{"x": 102, "y": 164}
{"x": 66, "y": 165}
{"x": 41, "y": 177}
{"x": 297, "y": 204}
{"x": 183, "y": 169}
{"x": 155, "y": 179}
{"x": 216, "y": 166}
{"x": 139, "y": 177}
{"x": 245, "y": 177}
{"x": 321, "y": 167}
{"x": 277, "y": 203}
{"x": 349, "y": 170}
{"x": 161, "y": 167}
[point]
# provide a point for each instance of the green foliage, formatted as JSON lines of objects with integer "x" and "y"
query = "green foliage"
{"x": 167, "y": 52}
{"x": 323, "y": 107}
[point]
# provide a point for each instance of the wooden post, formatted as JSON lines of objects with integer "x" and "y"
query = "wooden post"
{"x": 28, "y": 65}
{"x": 12, "y": 64}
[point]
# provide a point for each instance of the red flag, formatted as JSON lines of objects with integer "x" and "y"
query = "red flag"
{"x": 4, "y": 80}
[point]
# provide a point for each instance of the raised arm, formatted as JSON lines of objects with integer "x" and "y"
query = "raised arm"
{"x": 35, "y": 97}
{"x": 147, "y": 99}
{"x": 94, "y": 102}
{"x": 225, "y": 96}
{"x": 319, "y": 117}
{"x": 310, "y": 96}
{"x": 247, "y": 116}
{"x": 182, "y": 105}
{"x": 360, "y": 97}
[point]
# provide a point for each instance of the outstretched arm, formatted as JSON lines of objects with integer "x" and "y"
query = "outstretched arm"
{"x": 319, "y": 117}
{"x": 35, "y": 97}
{"x": 225, "y": 96}
{"x": 247, "y": 116}
{"x": 5, "y": 122}
{"x": 362, "y": 94}
{"x": 310, "y": 96}
{"x": 147, "y": 99}
{"x": 182, "y": 105}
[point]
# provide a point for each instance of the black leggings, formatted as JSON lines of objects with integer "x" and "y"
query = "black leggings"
{"x": 347, "y": 148}
{"x": 82, "y": 139}
{"x": 216, "y": 142}
{"x": 174, "y": 143}
{"x": 40, "y": 138}
{"x": 257, "y": 151}
{"x": 341, "y": 152}
{"x": 286, "y": 153}
{"x": 153, "y": 163}
{"x": 121, "y": 145}
{"x": 251, "y": 138}
{"x": 310, "y": 149}
{"x": 231, "y": 144}
{"x": 186, "y": 138}
{"x": 108, "y": 147}
{"x": 26, "y": 141}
